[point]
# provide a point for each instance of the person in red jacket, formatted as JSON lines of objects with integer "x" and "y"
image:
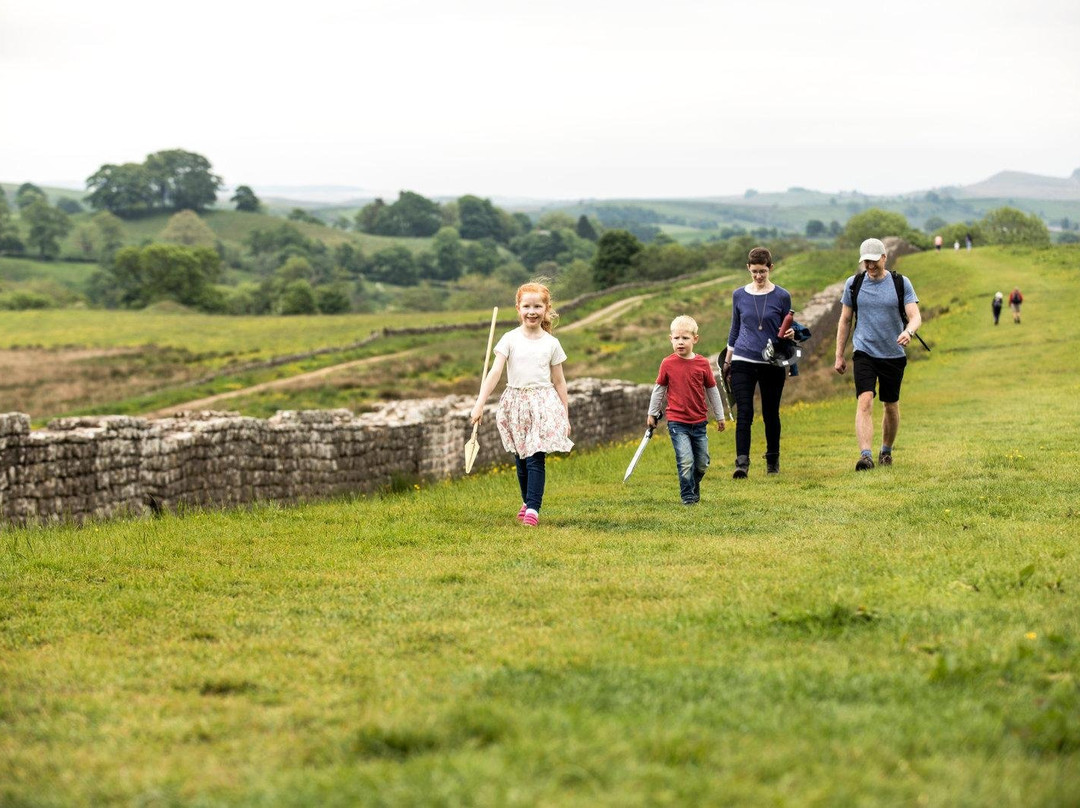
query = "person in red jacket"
{"x": 1015, "y": 299}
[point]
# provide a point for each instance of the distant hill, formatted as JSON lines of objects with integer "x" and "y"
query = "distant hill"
{"x": 1019, "y": 185}
{"x": 311, "y": 194}
{"x": 1056, "y": 200}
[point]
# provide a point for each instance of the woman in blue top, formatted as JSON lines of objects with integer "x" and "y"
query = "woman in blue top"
{"x": 757, "y": 312}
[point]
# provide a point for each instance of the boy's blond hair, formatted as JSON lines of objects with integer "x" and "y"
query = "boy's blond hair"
{"x": 684, "y": 322}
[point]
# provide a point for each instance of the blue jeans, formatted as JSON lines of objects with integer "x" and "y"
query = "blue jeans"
{"x": 691, "y": 442}
{"x": 531, "y": 473}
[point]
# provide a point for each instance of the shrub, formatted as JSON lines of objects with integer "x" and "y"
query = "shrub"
{"x": 23, "y": 300}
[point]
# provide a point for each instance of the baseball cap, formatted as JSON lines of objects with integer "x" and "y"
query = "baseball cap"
{"x": 871, "y": 250}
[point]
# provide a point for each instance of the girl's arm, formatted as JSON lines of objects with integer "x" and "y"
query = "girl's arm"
{"x": 487, "y": 386}
{"x": 558, "y": 378}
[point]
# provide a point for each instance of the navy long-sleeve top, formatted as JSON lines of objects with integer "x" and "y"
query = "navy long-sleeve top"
{"x": 754, "y": 320}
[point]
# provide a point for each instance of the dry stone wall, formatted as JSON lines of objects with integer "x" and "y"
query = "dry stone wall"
{"x": 97, "y": 467}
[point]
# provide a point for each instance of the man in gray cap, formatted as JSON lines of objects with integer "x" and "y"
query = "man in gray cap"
{"x": 880, "y": 336}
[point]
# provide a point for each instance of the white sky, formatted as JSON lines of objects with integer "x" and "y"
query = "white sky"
{"x": 557, "y": 99}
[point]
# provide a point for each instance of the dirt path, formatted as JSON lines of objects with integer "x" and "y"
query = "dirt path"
{"x": 608, "y": 312}
{"x": 211, "y": 401}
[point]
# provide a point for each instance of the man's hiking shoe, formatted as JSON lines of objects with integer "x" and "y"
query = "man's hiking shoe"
{"x": 865, "y": 463}
{"x": 884, "y": 459}
{"x": 742, "y": 466}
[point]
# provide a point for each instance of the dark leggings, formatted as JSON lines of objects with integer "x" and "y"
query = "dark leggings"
{"x": 745, "y": 376}
{"x": 530, "y": 472}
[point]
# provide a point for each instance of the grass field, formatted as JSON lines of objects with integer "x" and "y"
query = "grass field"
{"x": 906, "y": 636}
{"x": 63, "y": 361}
{"x": 57, "y": 362}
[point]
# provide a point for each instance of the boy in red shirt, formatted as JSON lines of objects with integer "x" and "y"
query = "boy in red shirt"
{"x": 687, "y": 381}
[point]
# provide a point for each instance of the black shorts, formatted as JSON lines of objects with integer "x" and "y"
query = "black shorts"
{"x": 869, "y": 372}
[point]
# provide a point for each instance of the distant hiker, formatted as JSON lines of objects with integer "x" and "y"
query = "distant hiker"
{"x": 758, "y": 310}
{"x": 967, "y": 241}
{"x": 880, "y": 336}
{"x": 999, "y": 298}
{"x": 938, "y": 240}
{"x": 533, "y": 416}
{"x": 956, "y": 245}
{"x": 1015, "y": 299}
{"x": 686, "y": 380}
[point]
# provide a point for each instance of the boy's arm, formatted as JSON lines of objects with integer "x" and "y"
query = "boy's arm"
{"x": 713, "y": 396}
{"x": 656, "y": 404}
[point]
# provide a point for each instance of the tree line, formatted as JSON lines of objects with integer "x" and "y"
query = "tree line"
{"x": 473, "y": 254}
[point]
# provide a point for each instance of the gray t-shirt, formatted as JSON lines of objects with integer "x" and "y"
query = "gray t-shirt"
{"x": 878, "y": 322}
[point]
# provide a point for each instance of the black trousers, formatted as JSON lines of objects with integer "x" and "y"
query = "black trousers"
{"x": 769, "y": 379}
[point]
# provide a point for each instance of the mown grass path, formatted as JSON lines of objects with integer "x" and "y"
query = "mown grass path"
{"x": 907, "y": 636}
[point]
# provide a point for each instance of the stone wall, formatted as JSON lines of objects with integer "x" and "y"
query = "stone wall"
{"x": 97, "y": 467}
{"x": 821, "y": 315}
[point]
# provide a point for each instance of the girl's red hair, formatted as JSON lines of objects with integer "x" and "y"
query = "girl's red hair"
{"x": 550, "y": 315}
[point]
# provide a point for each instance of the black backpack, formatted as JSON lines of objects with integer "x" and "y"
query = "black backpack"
{"x": 898, "y": 283}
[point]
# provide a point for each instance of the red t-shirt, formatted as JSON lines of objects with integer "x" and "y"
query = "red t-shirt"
{"x": 686, "y": 380}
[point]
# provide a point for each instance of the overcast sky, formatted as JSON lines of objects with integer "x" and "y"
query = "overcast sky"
{"x": 556, "y": 99}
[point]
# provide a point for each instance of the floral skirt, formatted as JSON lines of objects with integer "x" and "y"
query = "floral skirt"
{"x": 531, "y": 420}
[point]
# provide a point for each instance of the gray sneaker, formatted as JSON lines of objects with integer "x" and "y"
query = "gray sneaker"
{"x": 865, "y": 463}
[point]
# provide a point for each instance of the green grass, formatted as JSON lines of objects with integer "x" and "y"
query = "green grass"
{"x": 69, "y": 274}
{"x": 905, "y": 636}
{"x": 171, "y": 326}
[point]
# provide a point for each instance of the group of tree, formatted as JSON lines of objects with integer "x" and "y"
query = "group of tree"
{"x": 815, "y": 228}
{"x": 414, "y": 215}
{"x": 467, "y": 246}
{"x": 1003, "y": 225}
{"x": 46, "y": 225}
{"x": 622, "y": 258}
{"x": 167, "y": 180}
{"x": 10, "y": 241}
{"x": 139, "y": 276}
{"x": 446, "y": 258}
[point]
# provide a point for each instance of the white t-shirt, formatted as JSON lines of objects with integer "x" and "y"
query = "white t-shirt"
{"x": 529, "y": 361}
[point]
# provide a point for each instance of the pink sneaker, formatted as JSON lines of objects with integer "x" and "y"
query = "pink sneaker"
{"x": 521, "y": 513}
{"x": 531, "y": 518}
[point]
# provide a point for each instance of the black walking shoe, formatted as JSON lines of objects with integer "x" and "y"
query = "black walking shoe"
{"x": 865, "y": 463}
{"x": 742, "y": 465}
{"x": 772, "y": 464}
